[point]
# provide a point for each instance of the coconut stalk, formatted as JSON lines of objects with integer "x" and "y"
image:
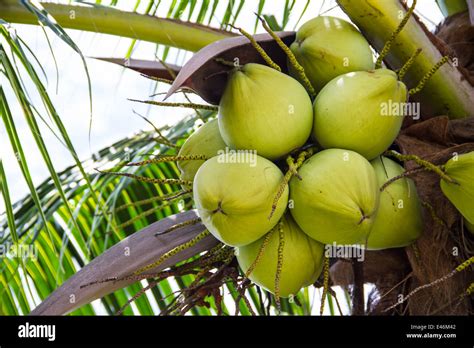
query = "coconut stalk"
{"x": 105, "y": 20}
{"x": 447, "y": 92}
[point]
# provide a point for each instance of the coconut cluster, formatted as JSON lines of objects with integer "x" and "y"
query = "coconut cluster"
{"x": 335, "y": 195}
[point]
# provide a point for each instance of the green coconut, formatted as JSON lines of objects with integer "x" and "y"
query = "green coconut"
{"x": 461, "y": 194}
{"x": 302, "y": 259}
{"x": 264, "y": 110}
{"x": 360, "y": 111}
{"x": 399, "y": 220}
{"x": 337, "y": 197}
{"x": 234, "y": 197}
{"x": 327, "y": 47}
{"x": 205, "y": 141}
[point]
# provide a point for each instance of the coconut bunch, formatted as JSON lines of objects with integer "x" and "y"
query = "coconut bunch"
{"x": 301, "y": 159}
{"x": 302, "y": 156}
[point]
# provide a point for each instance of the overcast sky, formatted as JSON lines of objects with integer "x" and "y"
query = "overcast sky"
{"x": 113, "y": 117}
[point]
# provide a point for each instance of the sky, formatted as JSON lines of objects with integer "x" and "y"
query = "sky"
{"x": 112, "y": 86}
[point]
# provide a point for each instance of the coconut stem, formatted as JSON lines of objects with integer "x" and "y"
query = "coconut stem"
{"x": 458, "y": 269}
{"x": 213, "y": 255}
{"x": 401, "y": 176}
{"x": 388, "y": 44}
{"x": 136, "y": 296}
{"x": 281, "y": 247}
{"x": 403, "y": 70}
{"x": 325, "y": 284}
{"x": 149, "y": 180}
{"x": 470, "y": 289}
{"x": 218, "y": 254}
{"x": 174, "y": 251}
{"x": 178, "y": 105}
{"x": 178, "y": 226}
{"x": 422, "y": 163}
{"x": 241, "y": 290}
{"x": 168, "y": 159}
{"x": 158, "y": 79}
{"x": 162, "y": 139}
{"x": 206, "y": 267}
{"x": 259, "y": 48}
{"x": 167, "y": 198}
{"x": 199, "y": 276}
{"x": 428, "y": 75}
{"x": 292, "y": 171}
{"x": 416, "y": 253}
{"x": 465, "y": 264}
{"x": 260, "y": 254}
{"x": 281, "y": 188}
{"x": 291, "y": 57}
{"x": 142, "y": 215}
{"x": 433, "y": 214}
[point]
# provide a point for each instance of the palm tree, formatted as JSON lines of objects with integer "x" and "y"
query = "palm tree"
{"x": 88, "y": 234}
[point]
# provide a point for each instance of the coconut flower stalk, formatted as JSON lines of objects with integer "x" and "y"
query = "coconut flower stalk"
{"x": 447, "y": 92}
